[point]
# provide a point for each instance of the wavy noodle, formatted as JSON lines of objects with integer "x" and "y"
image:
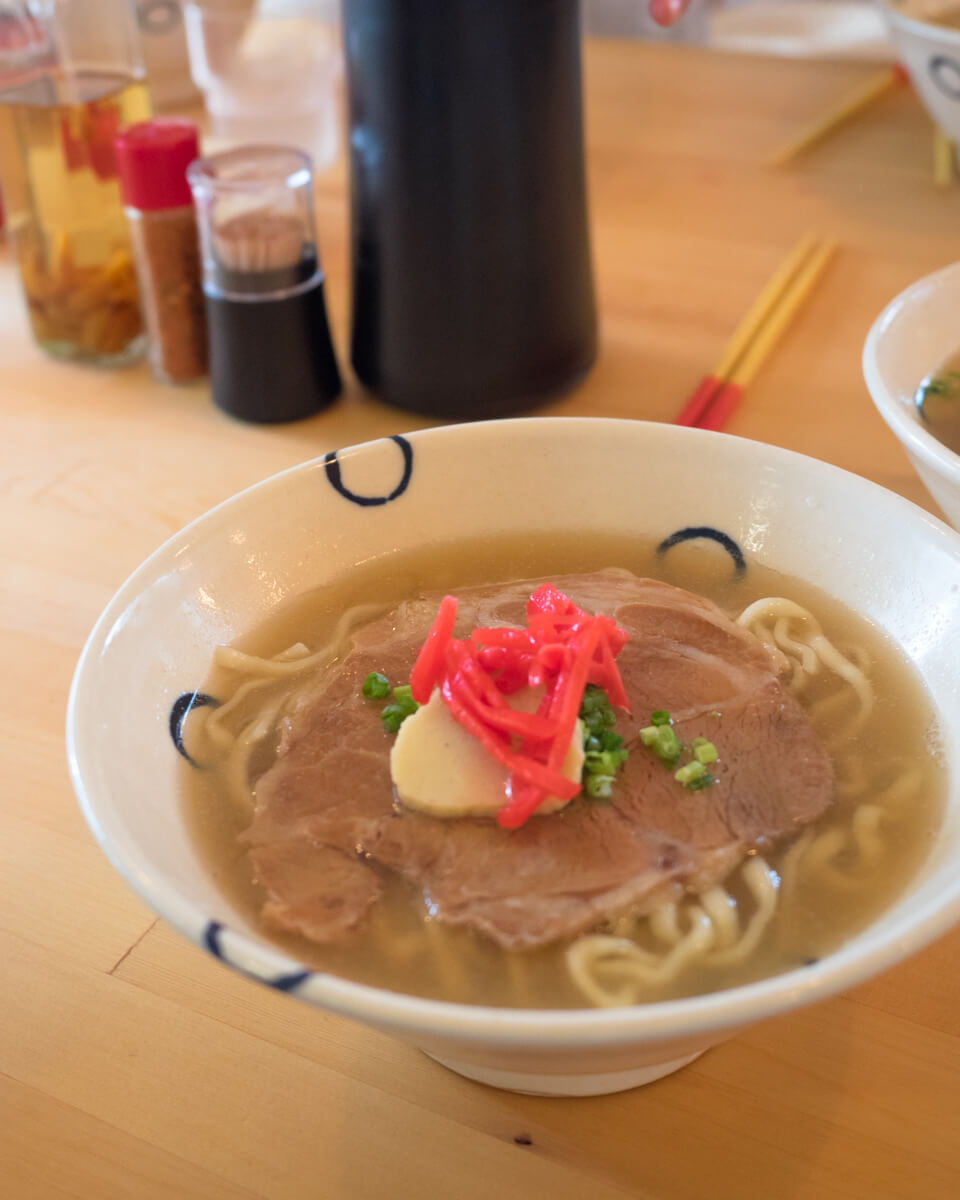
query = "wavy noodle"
{"x": 236, "y": 769}
{"x": 790, "y": 865}
{"x": 809, "y": 641}
{"x": 721, "y": 908}
{"x": 617, "y": 970}
{"x": 213, "y": 729}
{"x": 866, "y": 833}
{"x": 763, "y": 884}
{"x": 612, "y": 971}
{"x": 665, "y": 924}
{"x": 850, "y": 776}
{"x": 717, "y": 929}
{"x": 841, "y": 856}
{"x": 903, "y": 788}
{"x": 293, "y": 660}
{"x": 211, "y": 723}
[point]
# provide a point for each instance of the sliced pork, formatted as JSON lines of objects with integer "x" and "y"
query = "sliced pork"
{"x": 326, "y": 820}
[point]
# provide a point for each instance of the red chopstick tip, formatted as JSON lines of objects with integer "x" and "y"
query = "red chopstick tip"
{"x": 704, "y": 395}
{"x": 723, "y": 407}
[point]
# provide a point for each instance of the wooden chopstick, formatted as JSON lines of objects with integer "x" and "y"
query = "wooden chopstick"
{"x": 729, "y": 396}
{"x": 852, "y": 104}
{"x": 773, "y": 291}
{"x": 944, "y": 158}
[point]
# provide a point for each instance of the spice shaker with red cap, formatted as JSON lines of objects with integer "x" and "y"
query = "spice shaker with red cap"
{"x": 152, "y": 160}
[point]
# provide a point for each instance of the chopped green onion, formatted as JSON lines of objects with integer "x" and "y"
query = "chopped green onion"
{"x": 376, "y": 686}
{"x": 594, "y": 700}
{"x": 667, "y": 744}
{"x": 941, "y": 385}
{"x": 690, "y": 772}
{"x": 661, "y": 738}
{"x": 605, "y": 762}
{"x": 599, "y": 787}
{"x": 598, "y": 720}
{"x": 603, "y": 749}
{"x": 393, "y": 717}
{"x": 601, "y": 740}
{"x": 404, "y": 700}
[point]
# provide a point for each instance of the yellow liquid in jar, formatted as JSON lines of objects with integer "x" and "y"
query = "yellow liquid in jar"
{"x": 66, "y": 214}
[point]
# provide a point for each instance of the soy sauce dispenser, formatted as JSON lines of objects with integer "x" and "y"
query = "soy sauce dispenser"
{"x": 473, "y": 291}
{"x": 271, "y": 357}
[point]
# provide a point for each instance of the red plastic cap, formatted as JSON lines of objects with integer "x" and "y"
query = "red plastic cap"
{"x": 152, "y": 161}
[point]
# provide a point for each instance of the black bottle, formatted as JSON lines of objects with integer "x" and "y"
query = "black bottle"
{"x": 473, "y": 291}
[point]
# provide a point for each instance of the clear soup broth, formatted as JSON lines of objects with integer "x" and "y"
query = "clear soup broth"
{"x": 938, "y": 403}
{"x": 854, "y": 861}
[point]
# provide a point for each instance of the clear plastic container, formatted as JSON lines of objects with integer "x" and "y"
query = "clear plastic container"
{"x": 268, "y": 71}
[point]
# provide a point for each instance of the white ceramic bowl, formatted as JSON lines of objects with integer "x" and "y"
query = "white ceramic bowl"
{"x": 911, "y": 337}
{"x": 224, "y": 573}
{"x": 931, "y": 55}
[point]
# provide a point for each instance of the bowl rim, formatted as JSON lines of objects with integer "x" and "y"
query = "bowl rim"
{"x": 928, "y": 29}
{"x": 413, "y": 1016}
{"x": 898, "y": 416}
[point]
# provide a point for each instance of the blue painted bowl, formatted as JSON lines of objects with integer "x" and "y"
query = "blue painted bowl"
{"x": 228, "y": 571}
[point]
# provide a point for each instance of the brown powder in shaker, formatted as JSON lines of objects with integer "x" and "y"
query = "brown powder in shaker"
{"x": 152, "y": 160}
{"x": 168, "y": 254}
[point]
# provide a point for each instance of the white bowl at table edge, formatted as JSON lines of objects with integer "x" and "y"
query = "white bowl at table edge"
{"x": 570, "y": 1052}
{"x": 937, "y": 465}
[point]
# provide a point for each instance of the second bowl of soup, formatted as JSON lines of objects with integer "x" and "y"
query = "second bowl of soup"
{"x": 911, "y": 364}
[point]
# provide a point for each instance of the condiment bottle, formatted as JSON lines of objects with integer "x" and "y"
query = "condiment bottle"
{"x": 473, "y": 292}
{"x": 70, "y": 79}
{"x": 271, "y": 357}
{"x": 152, "y": 161}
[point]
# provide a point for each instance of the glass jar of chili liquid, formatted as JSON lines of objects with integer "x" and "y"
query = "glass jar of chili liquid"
{"x": 68, "y": 81}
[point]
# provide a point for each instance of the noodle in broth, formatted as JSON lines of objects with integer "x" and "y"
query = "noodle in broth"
{"x": 775, "y": 911}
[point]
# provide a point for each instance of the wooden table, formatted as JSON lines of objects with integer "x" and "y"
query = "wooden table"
{"x": 131, "y": 1065}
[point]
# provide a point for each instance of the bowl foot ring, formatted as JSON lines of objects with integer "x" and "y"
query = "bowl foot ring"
{"x": 529, "y": 1084}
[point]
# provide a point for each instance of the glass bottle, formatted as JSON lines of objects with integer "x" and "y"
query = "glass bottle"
{"x": 70, "y": 78}
{"x": 473, "y": 292}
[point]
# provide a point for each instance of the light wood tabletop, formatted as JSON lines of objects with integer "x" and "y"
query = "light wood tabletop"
{"x": 131, "y": 1064}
